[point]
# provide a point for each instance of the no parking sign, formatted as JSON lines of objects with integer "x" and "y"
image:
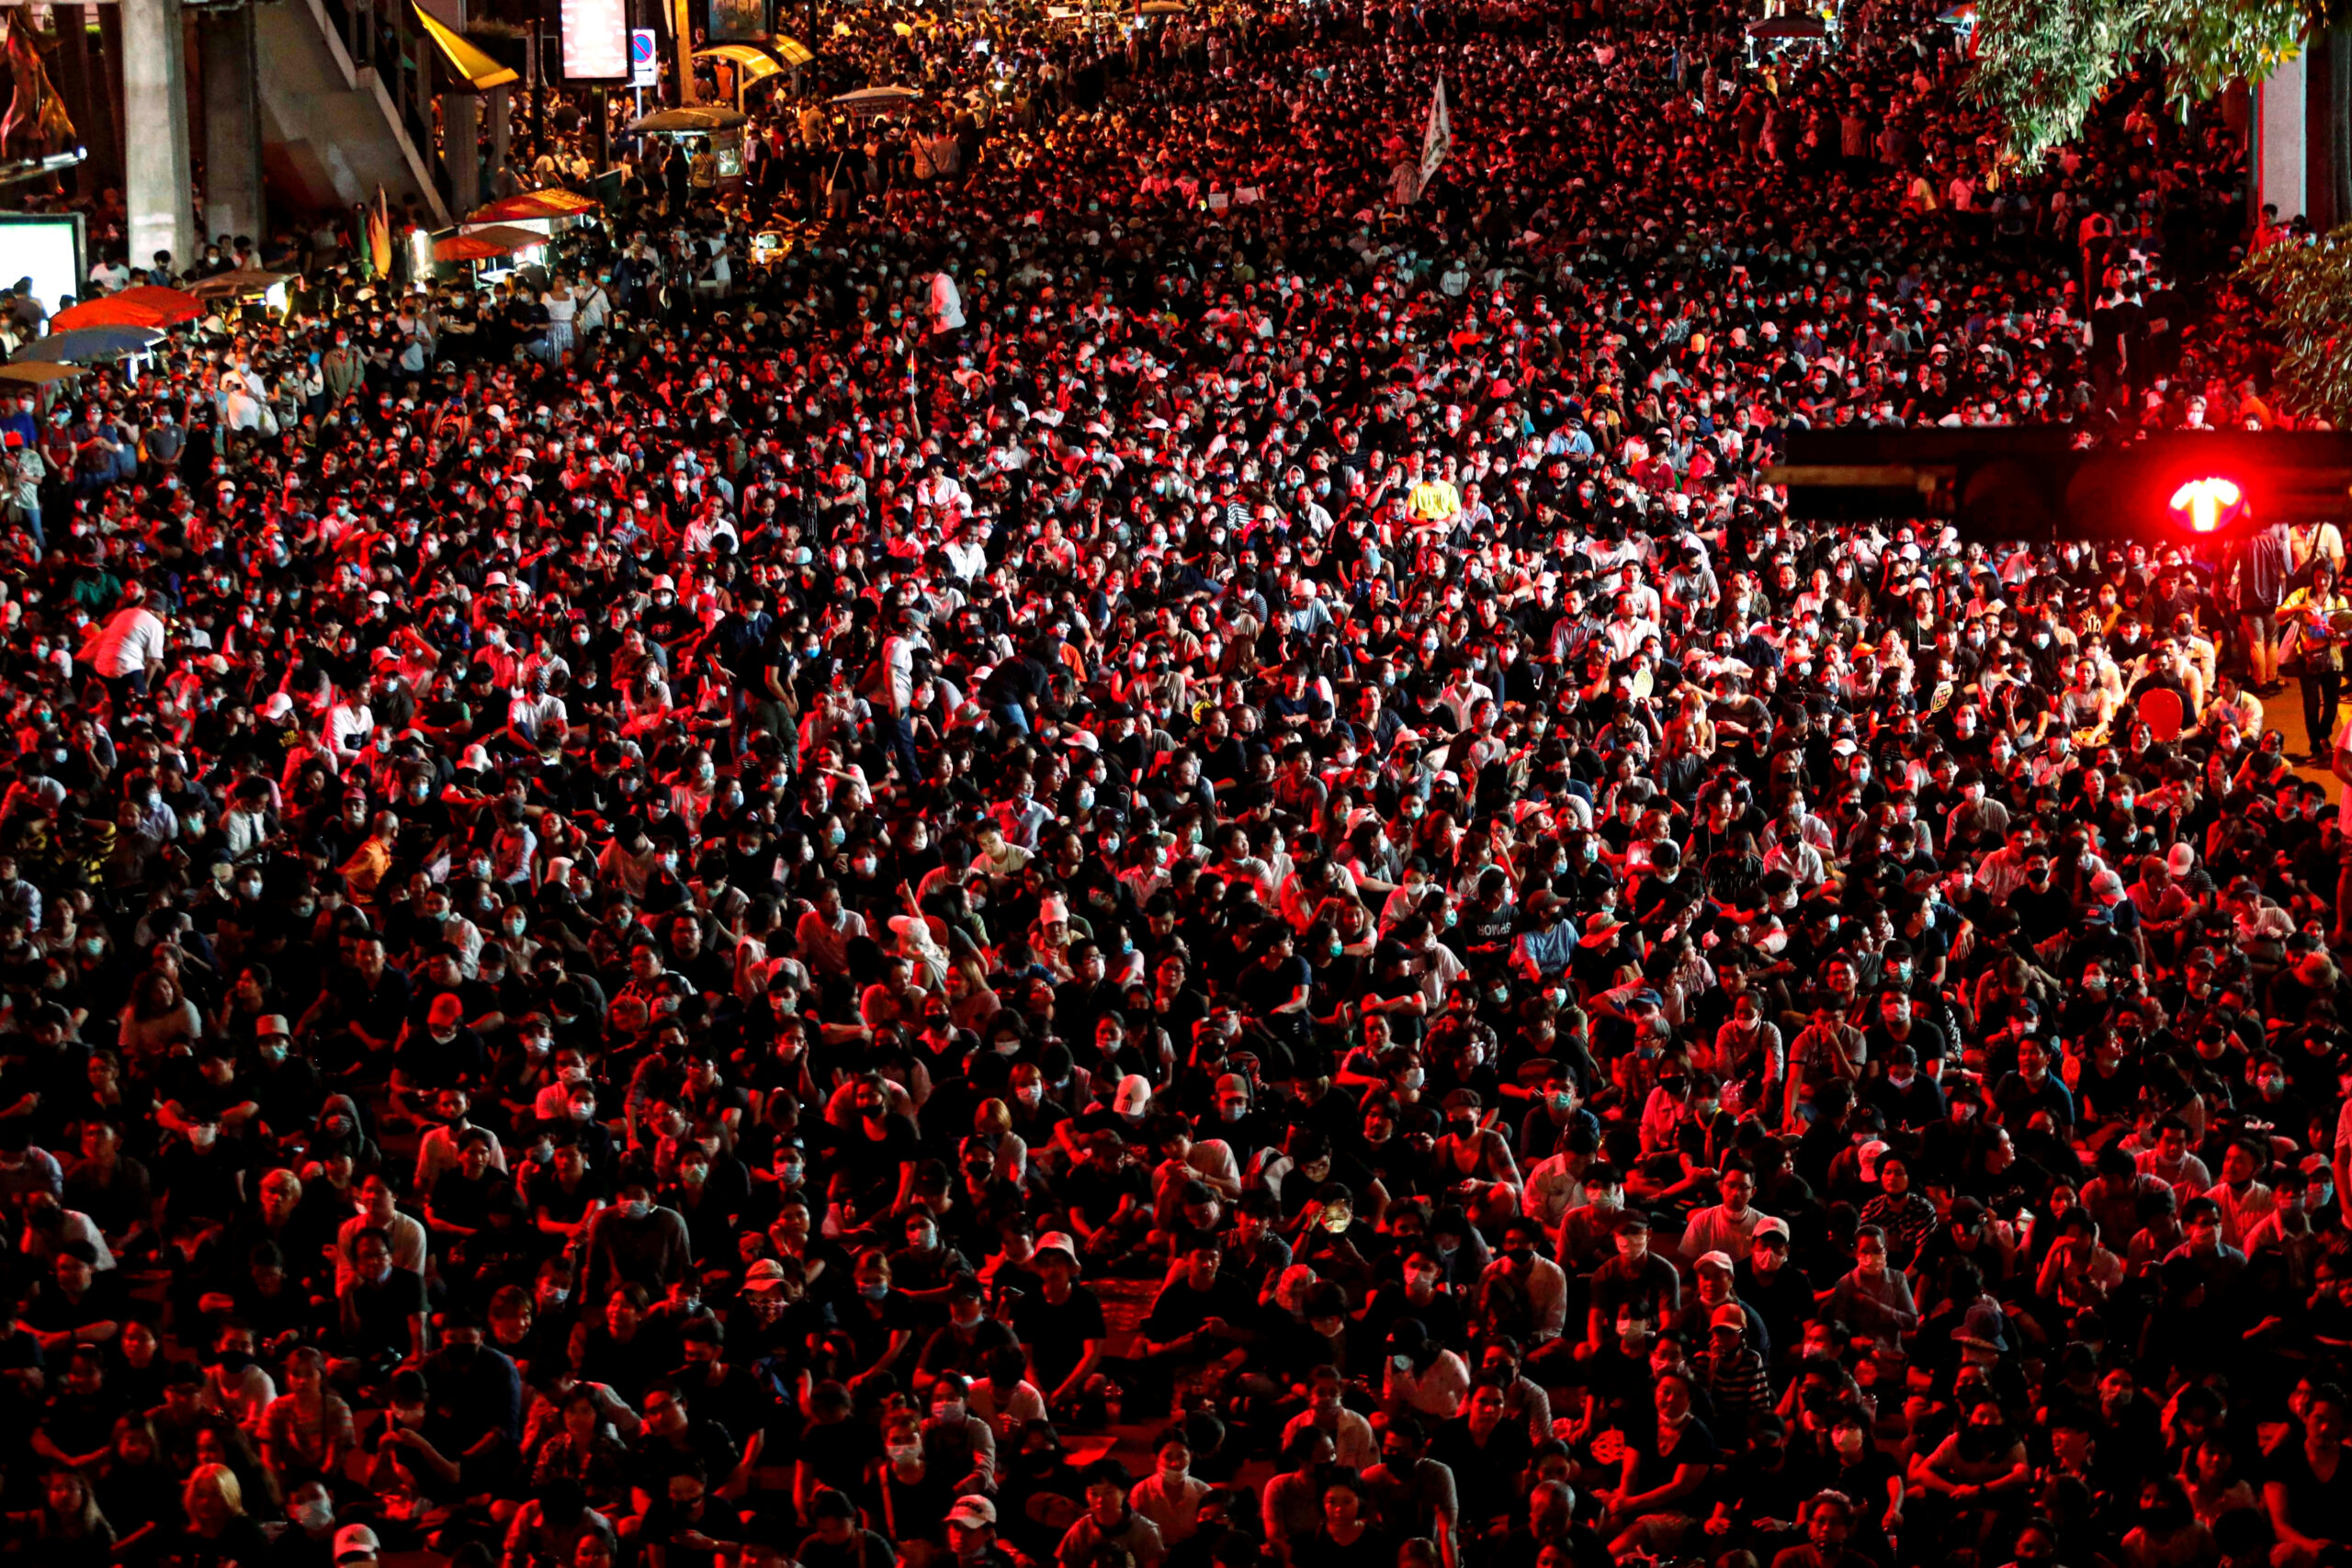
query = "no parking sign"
{"x": 644, "y": 59}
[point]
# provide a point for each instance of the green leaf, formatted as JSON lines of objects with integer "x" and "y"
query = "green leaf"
{"x": 2309, "y": 289}
{"x": 2044, "y": 64}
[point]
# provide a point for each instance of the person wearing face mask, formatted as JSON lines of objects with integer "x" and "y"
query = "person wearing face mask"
{"x": 309, "y": 1537}
{"x": 957, "y": 1444}
{"x": 1471, "y": 1151}
{"x": 471, "y": 1386}
{"x": 633, "y": 1241}
{"x": 556, "y": 1528}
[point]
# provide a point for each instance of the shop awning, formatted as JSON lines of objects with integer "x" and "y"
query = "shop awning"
{"x": 697, "y": 118}
{"x": 483, "y": 243}
{"x": 553, "y": 202}
{"x": 474, "y": 68}
{"x": 752, "y": 66}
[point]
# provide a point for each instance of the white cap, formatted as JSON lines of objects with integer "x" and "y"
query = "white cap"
{"x": 972, "y": 1512}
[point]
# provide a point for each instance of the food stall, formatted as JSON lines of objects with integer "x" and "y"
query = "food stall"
{"x": 720, "y": 127}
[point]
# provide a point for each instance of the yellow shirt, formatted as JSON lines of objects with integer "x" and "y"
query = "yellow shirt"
{"x": 365, "y": 868}
{"x": 1436, "y": 497}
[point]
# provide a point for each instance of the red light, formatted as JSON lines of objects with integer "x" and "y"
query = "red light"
{"x": 2203, "y": 505}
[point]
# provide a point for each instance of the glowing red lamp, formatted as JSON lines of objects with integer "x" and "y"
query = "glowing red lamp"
{"x": 2207, "y": 505}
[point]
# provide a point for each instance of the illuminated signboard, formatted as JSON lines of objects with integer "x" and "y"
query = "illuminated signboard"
{"x": 595, "y": 41}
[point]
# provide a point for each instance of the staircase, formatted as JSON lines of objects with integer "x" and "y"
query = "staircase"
{"x": 346, "y": 105}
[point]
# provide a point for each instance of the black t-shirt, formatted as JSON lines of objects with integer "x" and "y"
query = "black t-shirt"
{"x": 871, "y": 1162}
{"x": 240, "y": 1544}
{"x": 1696, "y": 1446}
{"x": 1057, "y": 1334}
{"x": 864, "y": 1548}
{"x": 2321, "y": 1510}
{"x": 380, "y": 1314}
{"x": 1095, "y": 1192}
{"x": 1260, "y": 990}
{"x": 1179, "y": 1309}
{"x": 837, "y": 1455}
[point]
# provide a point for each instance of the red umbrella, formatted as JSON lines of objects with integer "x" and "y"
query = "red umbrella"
{"x": 483, "y": 243}
{"x": 145, "y": 306}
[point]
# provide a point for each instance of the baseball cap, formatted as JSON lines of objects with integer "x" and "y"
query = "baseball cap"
{"x": 1728, "y": 1315}
{"x": 767, "y": 1274}
{"x": 972, "y": 1511}
{"x": 355, "y": 1542}
{"x": 1714, "y": 1260}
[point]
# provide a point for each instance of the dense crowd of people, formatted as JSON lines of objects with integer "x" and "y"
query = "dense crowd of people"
{"x": 1092, "y": 832}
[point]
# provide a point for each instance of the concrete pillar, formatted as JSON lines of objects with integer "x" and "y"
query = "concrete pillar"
{"x": 502, "y": 139}
{"x": 82, "y": 82}
{"x": 682, "y": 28}
{"x": 156, "y": 172}
{"x": 107, "y": 82}
{"x": 462, "y": 144}
{"x": 2282, "y": 139}
{"x": 2328, "y": 102}
{"x": 233, "y": 172}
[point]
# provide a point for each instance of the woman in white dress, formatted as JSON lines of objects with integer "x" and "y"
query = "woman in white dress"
{"x": 562, "y": 306}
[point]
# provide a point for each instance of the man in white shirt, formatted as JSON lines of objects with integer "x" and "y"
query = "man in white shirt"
{"x": 946, "y": 307}
{"x": 897, "y": 697}
{"x": 1728, "y": 1227}
{"x": 377, "y": 1210}
{"x": 128, "y": 646}
{"x": 348, "y": 724}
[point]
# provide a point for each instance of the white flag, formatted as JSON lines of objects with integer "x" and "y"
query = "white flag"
{"x": 1438, "y": 139}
